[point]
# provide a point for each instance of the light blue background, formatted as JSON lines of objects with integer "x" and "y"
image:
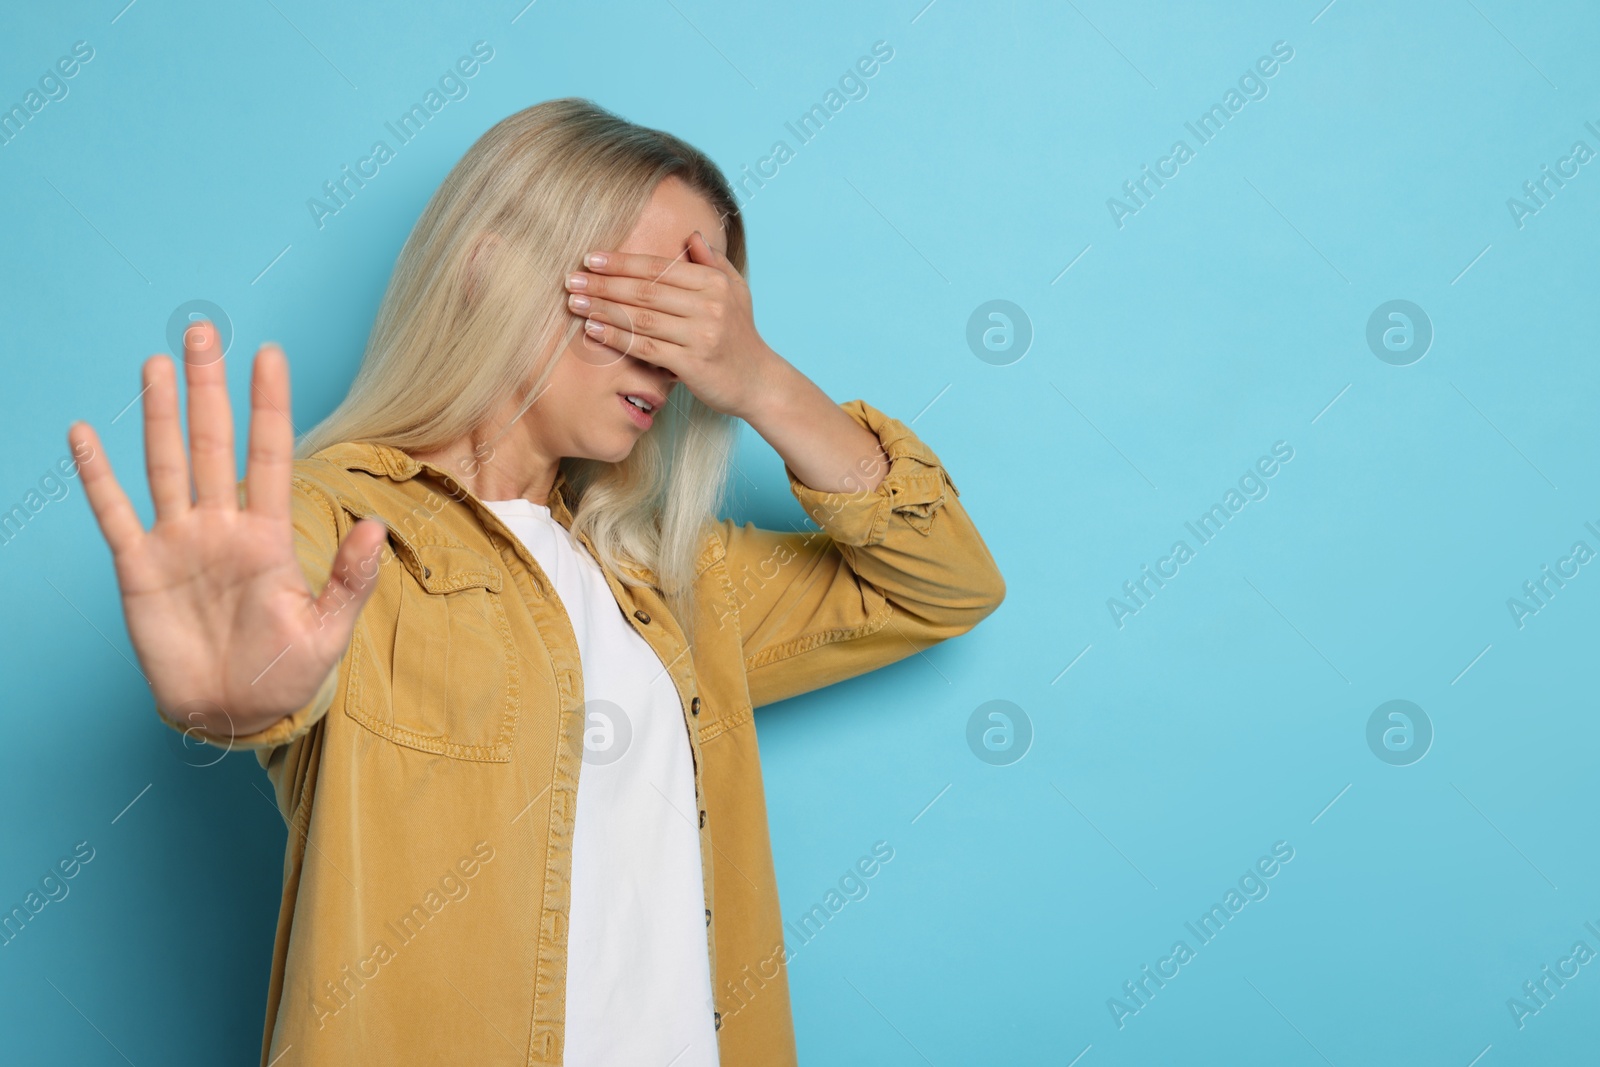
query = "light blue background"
{"x": 1223, "y": 317}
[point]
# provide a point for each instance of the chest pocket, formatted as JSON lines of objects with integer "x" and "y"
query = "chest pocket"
{"x": 436, "y": 668}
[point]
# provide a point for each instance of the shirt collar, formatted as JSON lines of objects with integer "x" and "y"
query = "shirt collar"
{"x": 376, "y": 458}
{"x": 398, "y": 464}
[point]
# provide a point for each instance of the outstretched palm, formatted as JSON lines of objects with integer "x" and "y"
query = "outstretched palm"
{"x": 229, "y": 633}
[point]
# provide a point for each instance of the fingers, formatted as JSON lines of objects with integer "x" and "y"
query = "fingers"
{"x": 679, "y": 272}
{"x": 165, "y": 461}
{"x": 651, "y": 350}
{"x": 641, "y": 292}
{"x": 210, "y": 419}
{"x": 270, "y": 462}
{"x": 643, "y": 321}
{"x": 119, "y": 523}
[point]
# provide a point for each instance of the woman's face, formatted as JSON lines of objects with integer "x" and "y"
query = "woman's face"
{"x": 582, "y": 409}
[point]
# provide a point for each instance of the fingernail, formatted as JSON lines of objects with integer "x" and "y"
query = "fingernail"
{"x": 593, "y": 327}
{"x": 596, "y": 260}
{"x": 578, "y": 302}
{"x": 577, "y": 281}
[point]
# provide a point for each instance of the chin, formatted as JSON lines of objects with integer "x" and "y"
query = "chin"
{"x": 616, "y": 452}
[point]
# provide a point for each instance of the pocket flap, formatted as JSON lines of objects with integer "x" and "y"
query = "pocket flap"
{"x": 438, "y": 568}
{"x": 448, "y": 568}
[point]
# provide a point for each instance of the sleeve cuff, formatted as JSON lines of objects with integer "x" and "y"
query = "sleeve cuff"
{"x": 280, "y": 732}
{"x": 913, "y": 490}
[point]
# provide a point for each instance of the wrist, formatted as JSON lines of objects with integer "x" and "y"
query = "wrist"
{"x": 772, "y": 380}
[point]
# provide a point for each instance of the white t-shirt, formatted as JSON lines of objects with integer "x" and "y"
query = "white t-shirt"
{"x": 638, "y": 973}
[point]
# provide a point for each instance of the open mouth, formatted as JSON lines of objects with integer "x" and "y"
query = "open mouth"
{"x": 640, "y": 410}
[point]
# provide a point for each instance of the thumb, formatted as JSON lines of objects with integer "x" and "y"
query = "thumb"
{"x": 351, "y": 580}
{"x": 700, "y": 251}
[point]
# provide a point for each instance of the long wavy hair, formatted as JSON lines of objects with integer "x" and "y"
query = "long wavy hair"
{"x": 475, "y": 311}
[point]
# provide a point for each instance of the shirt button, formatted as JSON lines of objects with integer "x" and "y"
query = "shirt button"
{"x": 708, "y": 916}
{"x": 427, "y": 572}
{"x": 642, "y": 615}
{"x": 694, "y": 706}
{"x": 716, "y": 1020}
{"x": 702, "y": 818}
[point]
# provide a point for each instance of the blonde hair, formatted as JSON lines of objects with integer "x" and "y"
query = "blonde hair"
{"x": 476, "y": 308}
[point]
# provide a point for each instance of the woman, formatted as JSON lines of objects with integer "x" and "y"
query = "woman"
{"x": 415, "y": 624}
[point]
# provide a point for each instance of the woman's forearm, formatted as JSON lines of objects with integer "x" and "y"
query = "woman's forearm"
{"x": 827, "y": 449}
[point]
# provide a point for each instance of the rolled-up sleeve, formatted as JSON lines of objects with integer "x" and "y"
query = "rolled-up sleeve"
{"x": 316, "y": 540}
{"x": 889, "y": 572}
